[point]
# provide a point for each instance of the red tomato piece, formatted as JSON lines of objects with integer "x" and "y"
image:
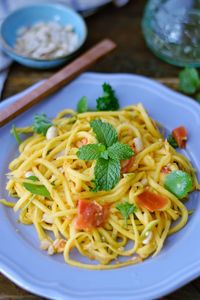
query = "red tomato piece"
{"x": 165, "y": 170}
{"x": 126, "y": 164}
{"x": 91, "y": 215}
{"x": 81, "y": 143}
{"x": 134, "y": 148}
{"x": 180, "y": 136}
{"x": 152, "y": 201}
{"x": 84, "y": 141}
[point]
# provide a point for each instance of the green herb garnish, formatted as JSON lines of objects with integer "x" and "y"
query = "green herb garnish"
{"x": 120, "y": 151}
{"x": 108, "y": 153}
{"x": 197, "y": 97}
{"x": 41, "y": 124}
{"x": 105, "y": 132}
{"x": 36, "y": 189}
{"x": 15, "y": 134}
{"x": 172, "y": 141}
{"x": 189, "y": 80}
{"x": 108, "y": 101}
{"x": 82, "y": 105}
{"x": 126, "y": 209}
{"x": 33, "y": 178}
{"x": 91, "y": 151}
{"x": 107, "y": 174}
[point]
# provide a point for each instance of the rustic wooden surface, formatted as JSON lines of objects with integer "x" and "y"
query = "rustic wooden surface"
{"x": 132, "y": 56}
{"x": 58, "y": 80}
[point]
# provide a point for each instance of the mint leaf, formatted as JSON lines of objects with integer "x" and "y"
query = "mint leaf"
{"x": 90, "y": 151}
{"x": 107, "y": 174}
{"x": 172, "y": 141}
{"x": 15, "y": 134}
{"x": 104, "y": 154}
{"x": 41, "y": 124}
{"x": 126, "y": 209}
{"x": 120, "y": 151}
{"x": 36, "y": 189}
{"x": 105, "y": 132}
{"x": 82, "y": 105}
{"x": 108, "y": 101}
{"x": 189, "y": 80}
{"x": 108, "y": 154}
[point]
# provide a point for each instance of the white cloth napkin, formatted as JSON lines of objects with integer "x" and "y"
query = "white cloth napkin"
{"x": 6, "y": 6}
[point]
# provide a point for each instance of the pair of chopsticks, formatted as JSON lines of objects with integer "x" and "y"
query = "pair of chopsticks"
{"x": 57, "y": 81}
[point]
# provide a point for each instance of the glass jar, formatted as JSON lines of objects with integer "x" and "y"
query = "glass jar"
{"x": 172, "y": 30}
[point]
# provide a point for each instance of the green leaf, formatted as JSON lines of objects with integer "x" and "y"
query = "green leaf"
{"x": 107, "y": 90}
{"x": 33, "y": 178}
{"x": 15, "y": 134}
{"x": 90, "y": 151}
{"x": 108, "y": 101}
{"x": 36, "y": 189}
{"x": 178, "y": 183}
{"x": 120, "y": 151}
{"x": 107, "y": 174}
{"x": 41, "y": 124}
{"x": 82, "y": 105}
{"x": 105, "y": 132}
{"x": 104, "y": 154}
{"x": 172, "y": 141}
{"x": 126, "y": 209}
{"x": 189, "y": 80}
{"x": 197, "y": 97}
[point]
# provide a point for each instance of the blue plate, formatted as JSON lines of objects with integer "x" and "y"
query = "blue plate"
{"x": 22, "y": 261}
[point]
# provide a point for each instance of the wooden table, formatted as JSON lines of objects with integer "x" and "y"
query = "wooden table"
{"x": 132, "y": 56}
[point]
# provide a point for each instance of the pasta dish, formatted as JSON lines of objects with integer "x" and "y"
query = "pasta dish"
{"x": 105, "y": 184}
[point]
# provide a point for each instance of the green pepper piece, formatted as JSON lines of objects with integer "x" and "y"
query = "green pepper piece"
{"x": 178, "y": 183}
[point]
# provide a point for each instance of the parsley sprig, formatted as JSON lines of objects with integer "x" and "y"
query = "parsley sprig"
{"x": 189, "y": 82}
{"x": 171, "y": 140}
{"x": 106, "y": 102}
{"x": 107, "y": 152}
{"x": 41, "y": 124}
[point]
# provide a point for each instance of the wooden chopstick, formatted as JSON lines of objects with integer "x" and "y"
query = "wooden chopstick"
{"x": 57, "y": 81}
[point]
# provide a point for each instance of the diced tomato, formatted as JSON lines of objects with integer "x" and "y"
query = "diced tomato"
{"x": 81, "y": 143}
{"x": 91, "y": 215}
{"x": 126, "y": 164}
{"x": 180, "y": 136}
{"x": 84, "y": 141}
{"x": 165, "y": 170}
{"x": 152, "y": 201}
{"x": 134, "y": 148}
